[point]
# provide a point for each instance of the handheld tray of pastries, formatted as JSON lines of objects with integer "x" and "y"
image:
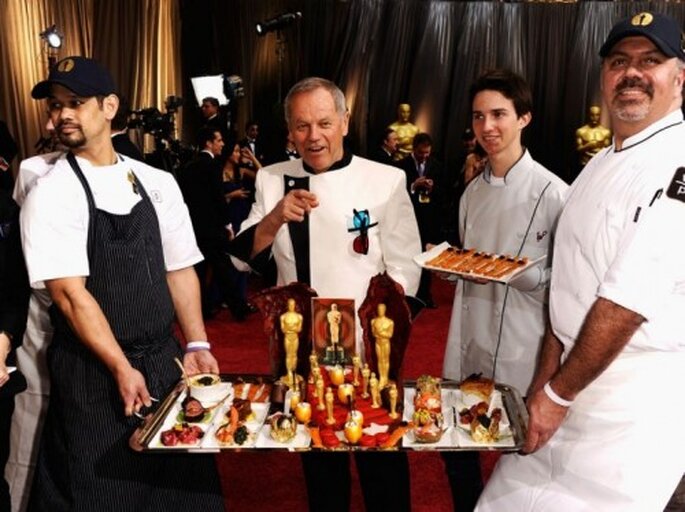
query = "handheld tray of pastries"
{"x": 500, "y": 268}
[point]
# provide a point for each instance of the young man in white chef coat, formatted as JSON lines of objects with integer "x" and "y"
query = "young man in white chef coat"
{"x": 604, "y": 401}
{"x": 512, "y": 208}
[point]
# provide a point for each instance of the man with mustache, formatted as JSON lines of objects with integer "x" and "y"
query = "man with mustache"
{"x": 111, "y": 240}
{"x": 603, "y": 401}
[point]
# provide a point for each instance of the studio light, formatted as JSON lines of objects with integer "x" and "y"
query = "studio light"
{"x": 277, "y": 23}
{"x": 52, "y": 37}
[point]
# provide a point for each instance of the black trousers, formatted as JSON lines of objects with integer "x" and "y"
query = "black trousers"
{"x": 6, "y": 410}
{"x": 384, "y": 479}
{"x": 224, "y": 274}
{"x": 464, "y": 476}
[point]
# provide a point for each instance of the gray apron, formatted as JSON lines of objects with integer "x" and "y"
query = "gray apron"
{"x": 85, "y": 462}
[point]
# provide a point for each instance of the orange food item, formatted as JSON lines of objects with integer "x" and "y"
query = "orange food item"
{"x": 395, "y": 436}
{"x": 316, "y": 437}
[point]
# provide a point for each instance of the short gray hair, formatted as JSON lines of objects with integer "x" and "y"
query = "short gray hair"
{"x": 311, "y": 84}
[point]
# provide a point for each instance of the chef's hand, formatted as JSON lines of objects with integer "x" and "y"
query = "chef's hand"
{"x": 545, "y": 418}
{"x": 295, "y": 205}
{"x": 4, "y": 351}
{"x": 200, "y": 361}
{"x": 132, "y": 390}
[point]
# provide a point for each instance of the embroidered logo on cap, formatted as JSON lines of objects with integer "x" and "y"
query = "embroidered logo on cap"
{"x": 642, "y": 20}
{"x": 66, "y": 65}
{"x": 676, "y": 190}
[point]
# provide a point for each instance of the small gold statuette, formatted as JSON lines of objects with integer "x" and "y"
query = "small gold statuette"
{"x": 366, "y": 373}
{"x": 356, "y": 368}
{"x": 320, "y": 394}
{"x": 382, "y": 329}
{"x": 392, "y": 393}
{"x": 375, "y": 392}
{"x": 330, "y": 420}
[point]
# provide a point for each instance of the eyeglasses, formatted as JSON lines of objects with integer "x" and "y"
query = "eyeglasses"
{"x": 361, "y": 223}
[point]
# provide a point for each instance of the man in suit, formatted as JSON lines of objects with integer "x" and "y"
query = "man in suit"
{"x": 387, "y": 148}
{"x": 251, "y": 142}
{"x": 424, "y": 182}
{"x": 201, "y": 184}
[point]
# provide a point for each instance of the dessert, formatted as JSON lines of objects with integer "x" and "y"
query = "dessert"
{"x": 427, "y": 426}
{"x": 485, "y": 429}
{"x": 478, "y": 263}
{"x": 428, "y": 394}
{"x": 283, "y": 427}
{"x": 475, "y": 389}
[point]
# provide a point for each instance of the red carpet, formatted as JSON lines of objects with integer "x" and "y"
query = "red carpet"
{"x": 266, "y": 481}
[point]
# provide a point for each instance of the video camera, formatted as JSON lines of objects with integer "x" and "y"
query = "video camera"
{"x": 169, "y": 153}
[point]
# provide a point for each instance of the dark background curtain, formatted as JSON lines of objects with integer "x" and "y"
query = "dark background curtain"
{"x": 380, "y": 52}
{"x": 385, "y": 52}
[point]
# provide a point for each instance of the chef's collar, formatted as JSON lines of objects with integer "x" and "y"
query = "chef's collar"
{"x": 514, "y": 171}
{"x": 672, "y": 119}
{"x": 340, "y": 164}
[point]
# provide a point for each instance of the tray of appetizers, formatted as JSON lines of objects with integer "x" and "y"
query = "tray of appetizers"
{"x": 224, "y": 412}
{"x": 472, "y": 263}
{"x": 207, "y": 414}
{"x": 476, "y": 414}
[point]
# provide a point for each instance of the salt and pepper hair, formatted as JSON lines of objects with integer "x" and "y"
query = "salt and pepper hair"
{"x": 311, "y": 84}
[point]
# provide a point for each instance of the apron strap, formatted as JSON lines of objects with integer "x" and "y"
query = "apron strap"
{"x": 91, "y": 204}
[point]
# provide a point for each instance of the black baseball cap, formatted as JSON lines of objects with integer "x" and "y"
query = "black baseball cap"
{"x": 662, "y": 30}
{"x": 83, "y": 76}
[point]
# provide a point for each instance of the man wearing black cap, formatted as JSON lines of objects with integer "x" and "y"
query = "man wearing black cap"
{"x": 111, "y": 240}
{"x": 603, "y": 403}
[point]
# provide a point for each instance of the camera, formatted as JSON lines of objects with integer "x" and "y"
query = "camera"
{"x": 169, "y": 153}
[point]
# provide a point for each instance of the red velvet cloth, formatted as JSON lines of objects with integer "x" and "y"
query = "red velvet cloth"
{"x": 272, "y": 480}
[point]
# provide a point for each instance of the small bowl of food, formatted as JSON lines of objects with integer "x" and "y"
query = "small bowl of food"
{"x": 283, "y": 427}
{"x": 428, "y": 426}
{"x": 208, "y": 388}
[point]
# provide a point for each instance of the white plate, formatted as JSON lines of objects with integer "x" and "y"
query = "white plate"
{"x": 302, "y": 439}
{"x": 422, "y": 258}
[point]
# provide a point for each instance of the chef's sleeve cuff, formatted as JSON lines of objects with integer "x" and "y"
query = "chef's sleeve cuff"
{"x": 241, "y": 248}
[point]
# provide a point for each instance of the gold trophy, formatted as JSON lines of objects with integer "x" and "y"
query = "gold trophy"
{"x": 356, "y": 368}
{"x": 291, "y": 326}
{"x": 382, "y": 329}
{"x": 330, "y": 420}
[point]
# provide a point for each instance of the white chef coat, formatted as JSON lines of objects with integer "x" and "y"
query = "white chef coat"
{"x": 54, "y": 218}
{"x": 497, "y": 329}
{"x": 336, "y": 270}
{"x": 31, "y": 405}
{"x": 618, "y": 238}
